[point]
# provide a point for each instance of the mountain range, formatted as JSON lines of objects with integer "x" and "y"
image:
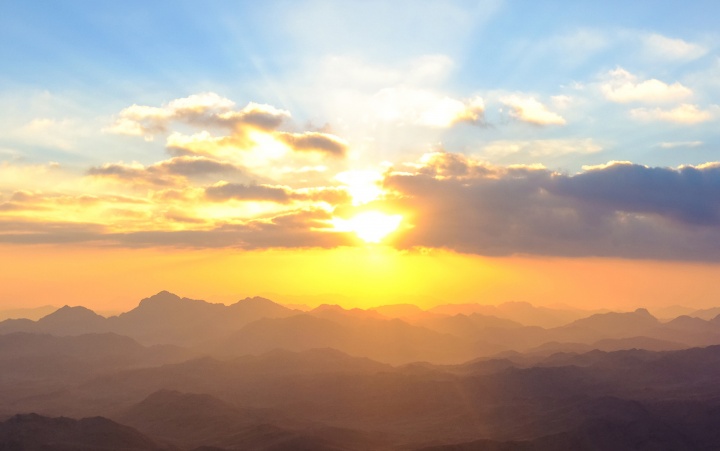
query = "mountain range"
{"x": 182, "y": 374}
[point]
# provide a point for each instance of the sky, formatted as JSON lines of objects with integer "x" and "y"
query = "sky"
{"x": 360, "y": 152}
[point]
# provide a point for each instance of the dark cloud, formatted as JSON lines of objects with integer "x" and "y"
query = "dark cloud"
{"x": 280, "y": 194}
{"x": 315, "y": 141}
{"x": 238, "y": 191}
{"x": 192, "y": 166}
{"x": 688, "y": 194}
{"x": 31, "y": 232}
{"x": 295, "y": 229}
{"x": 168, "y": 172}
{"x": 617, "y": 211}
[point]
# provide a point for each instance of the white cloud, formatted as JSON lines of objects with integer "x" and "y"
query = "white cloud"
{"x": 683, "y": 114}
{"x": 623, "y": 87}
{"x": 663, "y": 48}
{"x": 541, "y": 147}
{"x": 412, "y": 106}
{"x": 529, "y": 109}
{"x": 675, "y": 144}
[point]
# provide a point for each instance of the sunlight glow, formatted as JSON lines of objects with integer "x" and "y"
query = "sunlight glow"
{"x": 363, "y": 186}
{"x": 369, "y": 226}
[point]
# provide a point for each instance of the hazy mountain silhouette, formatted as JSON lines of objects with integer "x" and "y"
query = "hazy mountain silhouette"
{"x": 391, "y": 341}
{"x": 164, "y": 318}
{"x": 329, "y": 400}
{"x": 194, "y": 420}
{"x": 35, "y": 432}
{"x": 64, "y": 321}
{"x": 521, "y": 312}
{"x": 24, "y": 355}
{"x": 597, "y": 435}
{"x": 706, "y": 314}
{"x": 262, "y": 376}
{"x": 613, "y": 325}
{"x": 399, "y": 310}
{"x": 167, "y": 318}
{"x": 31, "y": 313}
{"x": 466, "y": 326}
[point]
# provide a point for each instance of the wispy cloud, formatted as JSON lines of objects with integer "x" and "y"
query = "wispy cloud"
{"x": 662, "y": 47}
{"x": 623, "y": 87}
{"x": 683, "y": 114}
{"x": 529, "y": 109}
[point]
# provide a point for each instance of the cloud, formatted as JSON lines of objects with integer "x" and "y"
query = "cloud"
{"x": 623, "y": 87}
{"x": 676, "y": 144}
{"x": 541, "y": 147}
{"x": 315, "y": 141}
{"x": 172, "y": 172}
{"x": 689, "y": 195}
{"x": 528, "y": 109}
{"x": 226, "y": 191}
{"x": 671, "y": 49}
{"x": 616, "y": 210}
{"x": 413, "y": 106}
{"x": 683, "y": 114}
{"x": 205, "y": 109}
{"x": 295, "y": 229}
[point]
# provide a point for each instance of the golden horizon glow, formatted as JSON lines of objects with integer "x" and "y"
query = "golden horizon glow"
{"x": 369, "y": 226}
{"x": 353, "y": 276}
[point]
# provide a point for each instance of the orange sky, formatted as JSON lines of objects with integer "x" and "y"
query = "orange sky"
{"x": 116, "y": 278}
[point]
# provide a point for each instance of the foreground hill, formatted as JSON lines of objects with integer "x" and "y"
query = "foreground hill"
{"x": 325, "y": 399}
{"x": 194, "y": 420}
{"x": 35, "y": 432}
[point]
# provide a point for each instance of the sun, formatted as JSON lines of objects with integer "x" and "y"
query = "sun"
{"x": 369, "y": 226}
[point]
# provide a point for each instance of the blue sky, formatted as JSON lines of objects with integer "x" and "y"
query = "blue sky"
{"x": 186, "y": 119}
{"x": 574, "y": 143}
{"x": 92, "y": 59}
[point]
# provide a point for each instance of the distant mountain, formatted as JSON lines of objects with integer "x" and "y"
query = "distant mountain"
{"x": 31, "y": 313}
{"x": 706, "y": 314}
{"x": 36, "y": 432}
{"x": 358, "y": 334}
{"x": 195, "y": 420}
{"x": 467, "y": 326}
{"x": 323, "y": 398}
{"x": 37, "y": 367}
{"x": 189, "y": 420}
{"x": 348, "y": 316}
{"x": 64, "y": 321}
{"x": 80, "y": 320}
{"x": 596, "y": 435}
{"x": 399, "y": 310}
{"x": 670, "y": 312}
{"x": 613, "y": 325}
{"x": 167, "y": 318}
{"x": 164, "y": 318}
{"x": 521, "y": 312}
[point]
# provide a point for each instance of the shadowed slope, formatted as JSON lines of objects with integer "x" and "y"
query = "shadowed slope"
{"x": 36, "y": 432}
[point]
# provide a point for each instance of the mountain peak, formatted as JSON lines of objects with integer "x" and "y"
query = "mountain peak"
{"x": 67, "y": 313}
{"x": 163, "y": 296}
{"x": 257, "y": 300}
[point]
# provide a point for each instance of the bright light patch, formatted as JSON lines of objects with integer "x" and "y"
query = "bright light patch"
{"x": 370, "y": 226}
{"x": 363, "y": 186}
